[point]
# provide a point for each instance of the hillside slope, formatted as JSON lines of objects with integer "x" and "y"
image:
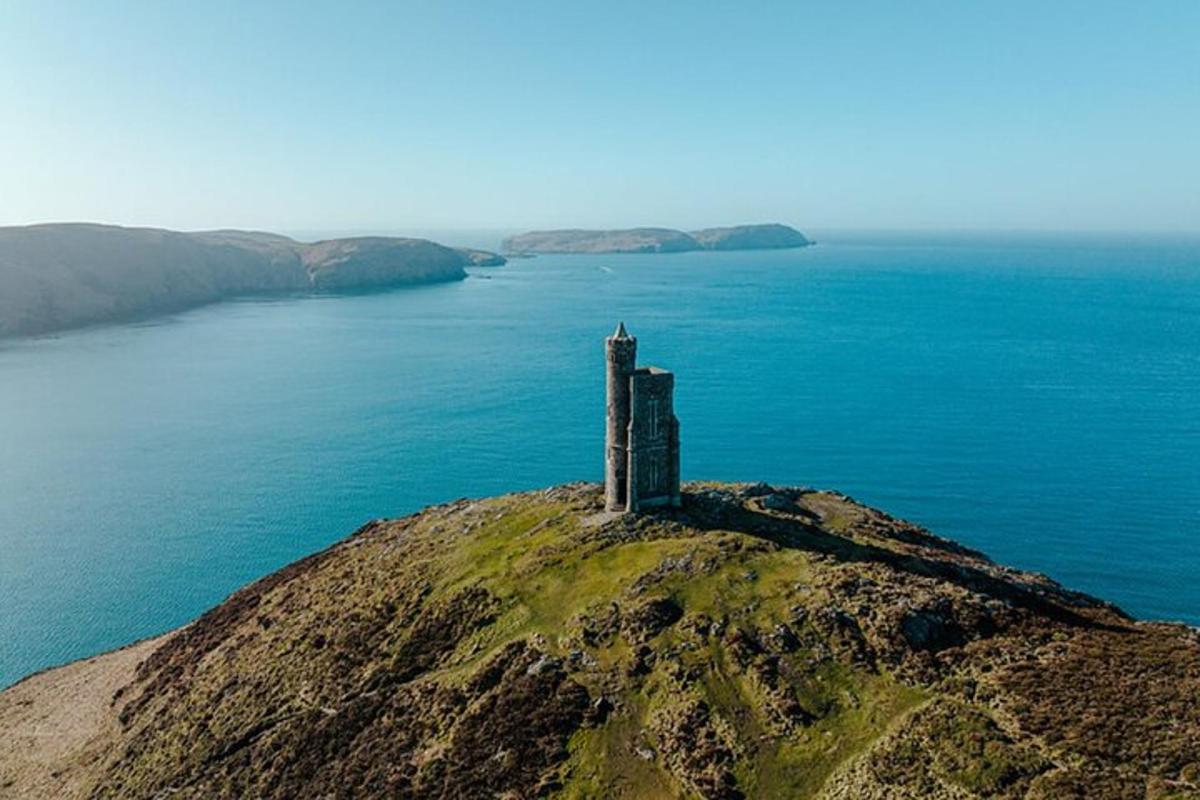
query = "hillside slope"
{"x": 758, "y": 643}
{"x": 61, "y": 276}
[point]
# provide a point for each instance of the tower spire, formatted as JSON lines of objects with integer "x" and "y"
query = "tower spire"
{"x": 621, "y": 357}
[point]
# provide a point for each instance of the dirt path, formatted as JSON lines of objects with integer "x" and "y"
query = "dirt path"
{"x": 55, "y": 723}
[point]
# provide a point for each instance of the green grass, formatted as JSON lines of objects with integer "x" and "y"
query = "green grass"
{"x": 546, "y": 575}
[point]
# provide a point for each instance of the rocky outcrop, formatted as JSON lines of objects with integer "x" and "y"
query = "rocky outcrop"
{"x": 67, "y": 275}
{"x": 482, "y": 258}
{"x": 655, "y": 240}
{"x": 759, "y": 642}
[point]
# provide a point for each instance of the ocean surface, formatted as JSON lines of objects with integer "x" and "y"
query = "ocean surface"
{"x": 1037, "y": 397}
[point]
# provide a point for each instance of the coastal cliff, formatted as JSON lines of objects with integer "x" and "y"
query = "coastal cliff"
{"x": 656, "y": 240}
{"x": 759, "y": 642}
{"x": 61, "y": 276}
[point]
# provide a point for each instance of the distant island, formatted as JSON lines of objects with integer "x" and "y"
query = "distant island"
{"x": 656, "y": 240}
{"x": 59, "y": 276}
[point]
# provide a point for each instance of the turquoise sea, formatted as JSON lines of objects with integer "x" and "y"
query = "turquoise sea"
{"x": 1037, "y": 397}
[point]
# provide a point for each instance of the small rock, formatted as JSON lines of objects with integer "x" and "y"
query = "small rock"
{"x": 643, "y": 661}
{"x": 930, "y": 630}
{"x": 778, "y": 502}
{"x": 581, "y": 659}
{"x": 601, "y": 708}
{"x": 544, "y": 664}
{"x": 785, "y": 639}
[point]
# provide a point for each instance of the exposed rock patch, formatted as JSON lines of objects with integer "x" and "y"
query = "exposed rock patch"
{"x": 650, "y": 618}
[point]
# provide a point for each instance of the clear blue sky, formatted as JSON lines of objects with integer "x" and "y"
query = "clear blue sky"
{"x": 289, "y": 116}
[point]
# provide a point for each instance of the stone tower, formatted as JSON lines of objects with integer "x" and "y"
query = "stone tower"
{"x": 641, "y": 443}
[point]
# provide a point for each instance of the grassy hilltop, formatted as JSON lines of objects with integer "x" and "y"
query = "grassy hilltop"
{"x": 759, "y": 643}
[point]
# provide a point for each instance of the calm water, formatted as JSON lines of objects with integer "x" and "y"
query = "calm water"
{"x": 1038, "y": 398}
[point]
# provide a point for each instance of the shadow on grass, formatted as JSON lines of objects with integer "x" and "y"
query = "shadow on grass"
{"x": 795, "y": 531}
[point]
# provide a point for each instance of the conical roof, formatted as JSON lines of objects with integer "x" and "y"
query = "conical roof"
{"x": 621, "y": 333}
